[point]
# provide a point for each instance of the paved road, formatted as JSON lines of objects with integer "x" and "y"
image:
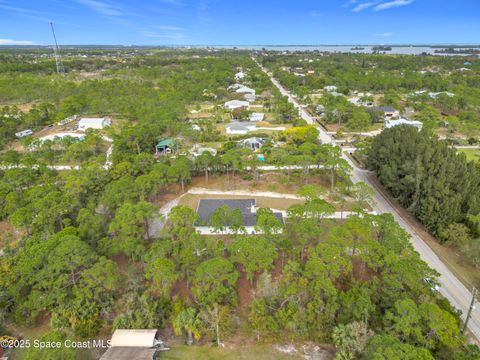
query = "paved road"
{"x": 450, "y": 286}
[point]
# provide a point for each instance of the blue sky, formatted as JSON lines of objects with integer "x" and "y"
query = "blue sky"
{"x": 240, "y": 22}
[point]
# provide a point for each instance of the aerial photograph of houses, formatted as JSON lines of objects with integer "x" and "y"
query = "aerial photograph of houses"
{"x": 212, "y": 180}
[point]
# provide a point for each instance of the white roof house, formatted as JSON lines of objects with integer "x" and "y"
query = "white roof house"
{"x": 238, "y": 128}
{"x": 250, "y": 97}
{"x": 240, "y": 75}
{"x": 245, "y": 90}
{"x": 330, "y": 88}
{"x": 236, "y": 104}
{"x": 392, "y": 123}
{"x": 94, "y": 123}
{"x": 256, "y": 116}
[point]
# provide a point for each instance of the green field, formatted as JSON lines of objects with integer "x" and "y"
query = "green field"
{"x": 471, "y": 154}
{"x": 261, "y": 352}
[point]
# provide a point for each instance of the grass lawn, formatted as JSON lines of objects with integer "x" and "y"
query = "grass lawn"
{"x": 206, "y": 352}
{"x": 471, "y": 154}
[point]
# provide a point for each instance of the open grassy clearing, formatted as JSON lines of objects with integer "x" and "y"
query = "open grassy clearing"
{"x": 471, "y": 154}
{"x": 206, "y": 352}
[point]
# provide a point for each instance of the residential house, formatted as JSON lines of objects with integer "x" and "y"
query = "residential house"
{"x": 245, "y": 90}
{"x": 240, "y": 75}
{"x": 256, "y": 117}
{"x": 236, "y": 104}
{"x": 330, "y": 88}
{"x": 388, "y": 111}
{"x": 239, "y": 128}
{"x": 247, "y": 207}
{"x": 250, "y": 97}
{"x": 253, "y": 143}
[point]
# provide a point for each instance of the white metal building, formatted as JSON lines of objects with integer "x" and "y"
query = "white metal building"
{"x": 94, "y": 123}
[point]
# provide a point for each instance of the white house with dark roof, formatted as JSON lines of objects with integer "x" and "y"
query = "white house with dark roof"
{"x": 247, "y": 207}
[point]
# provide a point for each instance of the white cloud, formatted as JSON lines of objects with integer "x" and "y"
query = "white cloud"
{"x": 385, "y": 34}
{"x": 392, "y": 4}
{"x": 315, "y": 13}
{"x": 167, "y": 27}
{"x": 363, "y": 6}
{"x": 170, "y": 36}
{"x": 102, "y": 7}
{"x": 351, "y": 2}
{"x": 20, "y": 10}
{"x": 15, "y": 42}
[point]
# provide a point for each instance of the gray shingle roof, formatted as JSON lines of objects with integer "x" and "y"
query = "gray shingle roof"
{"x": 206, "y": 207}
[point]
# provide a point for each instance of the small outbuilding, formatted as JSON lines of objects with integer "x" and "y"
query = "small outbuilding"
{"x": 134, "y": 344}
{"x": 165, "y": 146}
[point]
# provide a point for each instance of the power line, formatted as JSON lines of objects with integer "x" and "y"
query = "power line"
{"x": 56, "y": 51}
{"x": 470, "y": 309}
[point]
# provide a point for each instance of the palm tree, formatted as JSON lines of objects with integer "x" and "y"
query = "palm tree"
{"x": 187, "y": 321}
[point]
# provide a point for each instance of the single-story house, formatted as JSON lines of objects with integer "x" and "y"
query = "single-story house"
{"x": 388, "y": 111}
{"x": 239, "y": 128}
{"x": 250, "y": 97}
{"x": 256, "y": 116}
{"x": 240, "y": 75}
{"x": 136, "y": 344}
{"x": 165, "y": 146}
{"x": 236, "y": 104}
{"x": 245, "y": 90}
{"x": 23, "y": 133}
{"x": 330, "y": 88}
{"x": 94, "y": 123}
{"x": 253, "y": 143}
{"x": 247, "y": 207}
{"x": 392, "y": 123}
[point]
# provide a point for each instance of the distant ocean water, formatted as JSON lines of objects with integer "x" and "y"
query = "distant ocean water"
{"x": 367, "y": 49}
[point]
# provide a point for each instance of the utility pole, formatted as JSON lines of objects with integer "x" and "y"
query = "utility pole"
{"x": 56, "y": 51}
{"x": 470, "y": 309}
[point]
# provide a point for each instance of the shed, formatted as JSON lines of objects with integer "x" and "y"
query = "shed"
{"x": 134, "y": 338}
{"x": 165, "y": 146}
{"x": 94, "y": 123}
